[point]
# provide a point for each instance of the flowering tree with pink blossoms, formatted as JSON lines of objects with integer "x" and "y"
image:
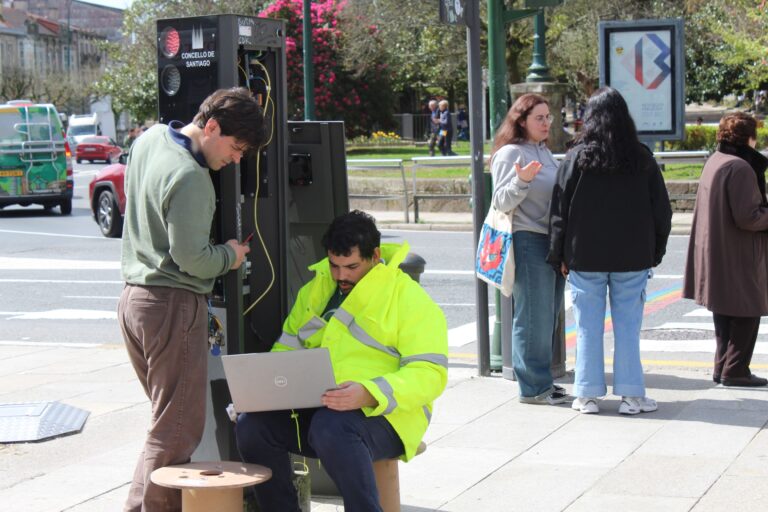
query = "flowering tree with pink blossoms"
{"x": 363, "y": 99}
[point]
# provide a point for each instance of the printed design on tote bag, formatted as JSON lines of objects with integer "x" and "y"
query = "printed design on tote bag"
{"x": 491, "y": 258}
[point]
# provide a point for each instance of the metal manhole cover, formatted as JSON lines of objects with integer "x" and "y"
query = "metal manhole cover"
{"x": 34, "y": 421}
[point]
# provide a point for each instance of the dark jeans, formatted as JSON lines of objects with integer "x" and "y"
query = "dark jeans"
{"x": 445, "y": 144}
{"x": 736, "y": 337}
{"x": 347, "y": 443}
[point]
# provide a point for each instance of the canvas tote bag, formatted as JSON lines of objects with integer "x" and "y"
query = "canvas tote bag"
{"x": 495, "y": 259}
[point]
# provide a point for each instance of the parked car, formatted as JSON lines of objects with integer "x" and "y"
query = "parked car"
{"x": 98, "y": 148}
{"x": 35, "y": 161}
{"x": 107, "y": 198}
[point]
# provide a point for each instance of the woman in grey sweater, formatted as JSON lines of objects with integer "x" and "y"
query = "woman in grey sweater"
{"x": 524, "y": 173}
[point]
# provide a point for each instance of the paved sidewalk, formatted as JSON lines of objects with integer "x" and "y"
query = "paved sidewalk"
{"x": 705, "y": 449}
{"x": 455, "y": 221}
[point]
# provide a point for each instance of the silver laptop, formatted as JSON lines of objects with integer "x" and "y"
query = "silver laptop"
{"x": 274, "y": 381}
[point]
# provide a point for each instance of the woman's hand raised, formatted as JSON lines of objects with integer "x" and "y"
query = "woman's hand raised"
{"x": 528, "y": 172}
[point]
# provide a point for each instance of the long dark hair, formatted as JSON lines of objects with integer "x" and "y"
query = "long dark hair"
{"x": 511, "y": 131}
{"x": 609, "y": 136}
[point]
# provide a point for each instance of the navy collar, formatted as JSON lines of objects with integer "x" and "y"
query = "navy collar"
{"x": 182, "y": 140}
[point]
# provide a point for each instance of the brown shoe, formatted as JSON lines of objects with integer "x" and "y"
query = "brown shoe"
{"x": 752, "y": 381}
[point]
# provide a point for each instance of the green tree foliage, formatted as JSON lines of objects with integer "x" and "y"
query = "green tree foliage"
{"x": 362, "y": 97}
{"x": 423, "y": 56}
{"x": 131, "y": 76}
{"x": 743, "y": 28}
{"x": 572, "y": 35}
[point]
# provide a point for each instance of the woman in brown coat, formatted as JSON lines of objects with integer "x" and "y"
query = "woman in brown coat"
{"x": 727, "y": 267}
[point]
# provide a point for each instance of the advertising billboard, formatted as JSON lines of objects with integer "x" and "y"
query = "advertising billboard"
{"x": 643, "y": 59}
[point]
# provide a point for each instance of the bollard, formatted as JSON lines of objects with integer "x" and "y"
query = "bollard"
{"x": 413, "y": 265}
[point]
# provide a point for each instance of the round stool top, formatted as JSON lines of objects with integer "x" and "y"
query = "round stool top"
{"x": 211, "y": 475}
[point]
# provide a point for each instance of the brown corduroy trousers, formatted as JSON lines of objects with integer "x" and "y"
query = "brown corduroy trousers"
{"x": 166, "y": 335}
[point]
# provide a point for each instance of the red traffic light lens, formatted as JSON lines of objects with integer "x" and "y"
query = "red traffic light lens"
{"x": 170, "y": 42}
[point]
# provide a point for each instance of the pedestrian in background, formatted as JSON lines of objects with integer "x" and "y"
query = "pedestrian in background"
{"x": 169, "y": 265}
{"x": 609, "y": 224}
{"x": 434, "y": 126}
{"x": 524, "y": 173}
{"x": 726, "y": 271}
{"x": 446, "y": 129}
{"x": 462, "y": 123}
{"x": 130, "y": 137}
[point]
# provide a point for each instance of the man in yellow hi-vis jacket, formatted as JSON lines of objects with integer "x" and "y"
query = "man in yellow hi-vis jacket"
{"x": 388, "y": 343}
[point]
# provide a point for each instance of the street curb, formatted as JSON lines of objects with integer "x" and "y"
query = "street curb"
{"x": 436, "y": 226}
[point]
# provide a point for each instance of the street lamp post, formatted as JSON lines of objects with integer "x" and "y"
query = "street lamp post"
{"x": 309, "y": 69}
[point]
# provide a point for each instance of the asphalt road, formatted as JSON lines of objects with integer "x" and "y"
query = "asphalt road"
{"x": 60, "y": 283}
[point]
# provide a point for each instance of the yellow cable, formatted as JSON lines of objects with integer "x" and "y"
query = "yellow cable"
{"x": 261, "y": 238}
{"x": 267, "y": 103}
{"x": 245, "y": 74}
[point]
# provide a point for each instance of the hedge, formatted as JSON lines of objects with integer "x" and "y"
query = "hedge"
{"x": 699, "y": 137}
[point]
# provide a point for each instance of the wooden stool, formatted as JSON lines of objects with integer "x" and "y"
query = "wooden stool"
{"x": 388, "y": 481}
{"x": 208, "y": 486}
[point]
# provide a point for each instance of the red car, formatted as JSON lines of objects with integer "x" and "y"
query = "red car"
{"x": 107, "y": 198}
{"x": 98, "y": 148}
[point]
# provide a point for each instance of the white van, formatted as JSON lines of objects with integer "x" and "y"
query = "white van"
{"x": 82, "y": 126}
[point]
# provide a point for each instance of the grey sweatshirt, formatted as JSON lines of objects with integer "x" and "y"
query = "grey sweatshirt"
{"x": 530, "y": 201}
{"x": 170, "y": 202}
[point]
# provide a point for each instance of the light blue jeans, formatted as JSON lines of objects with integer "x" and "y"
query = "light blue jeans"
{"x": 538, "y": 295}
{"x": 627, "y": 295}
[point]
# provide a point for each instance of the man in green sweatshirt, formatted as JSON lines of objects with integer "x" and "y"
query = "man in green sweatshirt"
{"x": 169, "y": 265}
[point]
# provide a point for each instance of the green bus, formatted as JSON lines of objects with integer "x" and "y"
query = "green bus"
{"x": 35, "y": 161}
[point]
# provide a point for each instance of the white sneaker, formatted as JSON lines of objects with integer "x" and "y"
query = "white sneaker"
{"x": 637, "y": 404}
{"x": 585, "y": 405}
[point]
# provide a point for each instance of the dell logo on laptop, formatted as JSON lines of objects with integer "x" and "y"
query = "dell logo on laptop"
{"x": 281, "y": 381}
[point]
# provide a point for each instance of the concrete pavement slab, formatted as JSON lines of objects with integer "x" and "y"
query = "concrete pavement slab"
{"x": 431, "y": 481}
{"x": 71, "y": 484}
{"x": 748, "y": 493}
{"x": 526, "y": 487}
{"x": 703, "y": 430}
{"x": 591, "y": 502}
{"x": 706, "y": 447}
{"x": 664, "y": 476}
{"x": 591, "y": 440}
{"x": 509, "y": 429}
{"x": 753, "y": 460}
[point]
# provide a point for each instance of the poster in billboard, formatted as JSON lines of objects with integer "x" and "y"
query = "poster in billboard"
{"x": 643, "y": 60}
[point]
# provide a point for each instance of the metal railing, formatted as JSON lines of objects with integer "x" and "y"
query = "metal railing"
{"x": 422, "y": 162}
{"x": 373, "y": 164}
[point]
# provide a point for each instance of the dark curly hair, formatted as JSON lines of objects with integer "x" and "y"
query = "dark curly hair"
{"x": 238, "y": 114}
{"x": 511, "y": 131}
{"x": 350, "y": 230}
{"x": 609, "y": 136}
{"x": 737, "y": 128}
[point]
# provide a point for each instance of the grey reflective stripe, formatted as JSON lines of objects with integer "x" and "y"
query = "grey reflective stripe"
{"x": 438, "y": 359}
{"x": 427, "y": 414}
{"x": 388, "y": 392}
{"x": 310, "y": 328}
{"x": 290, "y": 340}
{"x": 360, "y": 335}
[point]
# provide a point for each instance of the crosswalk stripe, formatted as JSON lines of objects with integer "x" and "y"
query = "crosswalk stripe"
{"x": 700, "y": 312}
{"x": 701, "y": 326}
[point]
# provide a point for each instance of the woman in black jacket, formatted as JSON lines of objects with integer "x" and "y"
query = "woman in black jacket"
{"x": 609, "y": 224}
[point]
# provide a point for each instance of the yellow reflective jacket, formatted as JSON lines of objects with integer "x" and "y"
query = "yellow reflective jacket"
{"x": 388, "y": 335}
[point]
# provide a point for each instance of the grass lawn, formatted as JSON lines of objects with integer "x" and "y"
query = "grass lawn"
{"x": 672, "y": 172}
{"x": 679, "y": 172}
